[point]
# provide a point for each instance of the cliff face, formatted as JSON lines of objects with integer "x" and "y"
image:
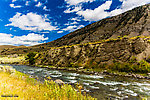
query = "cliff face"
{"x": 122, "y": 50}
{"x": 132, "y": 23}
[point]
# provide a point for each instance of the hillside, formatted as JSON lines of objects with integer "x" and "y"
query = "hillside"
{"x": 6, "y": 46}
{"x": 22, "y": 50}
{"x": 99, "y": 54}
{"x": 132, "y": 23}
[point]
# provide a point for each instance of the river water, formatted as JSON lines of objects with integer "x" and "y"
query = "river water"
{"x": 102, "y": 87}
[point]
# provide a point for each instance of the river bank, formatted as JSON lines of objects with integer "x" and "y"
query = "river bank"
{"x": 16, "y": 85}
{"x": 20, "y": 60}
{"x": 89, "y": 71}
{"x": 100, "y": 72}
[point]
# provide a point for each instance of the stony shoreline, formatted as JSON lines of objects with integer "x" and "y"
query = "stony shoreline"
{"x": 104, "y": 72}
{"x": 87, "y": 71}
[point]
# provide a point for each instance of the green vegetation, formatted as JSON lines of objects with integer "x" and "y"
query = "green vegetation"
{"x": 140, "y": 67}
{"x": 132, "y": 66}
{"x": 31, "y": 57}
{"x": 105, "y": 41}
{"x": 26, "y": 88}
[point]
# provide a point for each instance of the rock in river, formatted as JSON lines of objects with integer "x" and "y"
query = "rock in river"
{"x": 58, "y": 81}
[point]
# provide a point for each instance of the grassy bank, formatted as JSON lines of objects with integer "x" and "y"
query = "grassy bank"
{"x": 117, "y": 68}
{"x": 20, "y": 86}
{"x": 12, "y": 60}
{"x": 133, "y": 66}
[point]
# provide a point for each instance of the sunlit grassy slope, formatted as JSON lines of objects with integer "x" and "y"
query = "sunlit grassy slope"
{"x": 12, "y": 60}
{"x": 21, "y": 87}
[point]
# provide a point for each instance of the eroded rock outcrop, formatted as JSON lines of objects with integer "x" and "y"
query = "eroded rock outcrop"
{"x": 121, "y": 50}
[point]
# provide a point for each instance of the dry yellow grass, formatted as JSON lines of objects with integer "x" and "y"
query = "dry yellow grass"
{"x": 12, "y": 60}
{"x": 29, "y": 89}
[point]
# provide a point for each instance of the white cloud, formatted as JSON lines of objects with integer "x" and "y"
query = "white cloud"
{"x": 60, "y": 31}
{"x": 73, "y": 10}
{"x": 75, "y": 19}
{"x": 14, "y": 0}
{"x": 13, "y": 6}
{"x": 10, "y": 29}
{"x": 39, "y": 4}
{"x": 72, "y": 28}
{"x": 27, "y": 3}
{"x": 130, "y": 4}
{"x": 100, "y": 12}
{"x": 80, "y": 26}
{"x": 30, "y": 39}
{"x": 75, "y": 2}
{"x": 67, "y": 24}
{"x": 71, "y": 23}
{"x": 45, "y": 8}
{"x": 97, "y": 13}
{"x": 44, "y": 32}
{"x": 31, "y": 21}
{"x": 74, "y": 23}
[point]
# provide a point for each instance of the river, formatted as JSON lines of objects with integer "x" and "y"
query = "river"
{"x": 102, "y": 87}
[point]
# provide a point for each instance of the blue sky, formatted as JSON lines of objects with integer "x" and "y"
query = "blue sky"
{"x": 31, "y": 22}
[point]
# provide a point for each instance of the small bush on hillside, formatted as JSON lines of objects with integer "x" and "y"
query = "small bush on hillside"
{"x": 148, "y": 59}
{"x": 25, "y": 51}
{"x": 133, "y": 59}
{"x": 31, "y": 57}
{"x": 144, "y": 66}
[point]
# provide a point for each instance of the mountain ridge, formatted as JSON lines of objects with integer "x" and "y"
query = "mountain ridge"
{"x": 132, "y": 23}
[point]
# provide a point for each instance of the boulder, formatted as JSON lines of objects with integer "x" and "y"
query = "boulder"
{"x": 58, "y": 81}
{"x": 9, "y": 69}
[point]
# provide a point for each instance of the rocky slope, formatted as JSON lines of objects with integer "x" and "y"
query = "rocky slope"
{"x": 120, "y": 50}
{"x": 132, "y": 23}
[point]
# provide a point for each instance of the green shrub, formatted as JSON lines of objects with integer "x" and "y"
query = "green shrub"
{"x": 144, "y": 66}
{"x": 148, "y": 59}
{"x": 25, "y": 51}
{"x": 31, "y": 57}
{"x": 133, "y": 59}
{"x": 136, "y": 67}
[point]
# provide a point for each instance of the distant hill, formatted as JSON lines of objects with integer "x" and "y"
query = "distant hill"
{"x": 6, "y": 46}
{"x": 21, "y": 50}
{"x": 132, "y": 23}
